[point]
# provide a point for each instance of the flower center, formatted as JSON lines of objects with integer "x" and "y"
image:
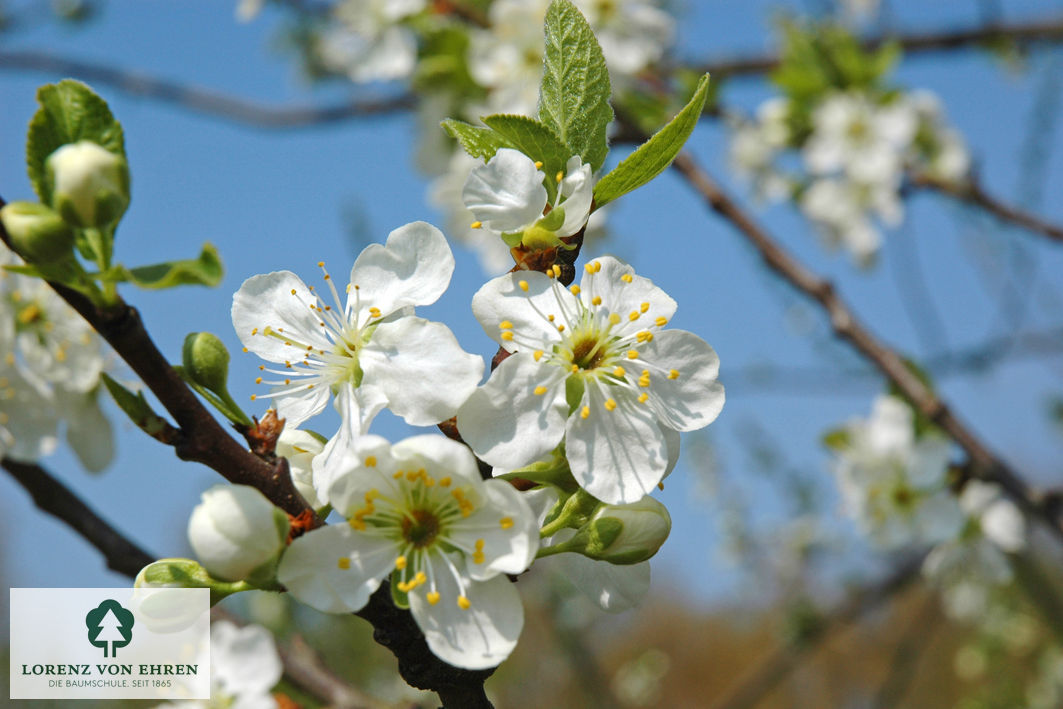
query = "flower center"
{"x": 587, "y": 352}
{"x": 420, "y": 528}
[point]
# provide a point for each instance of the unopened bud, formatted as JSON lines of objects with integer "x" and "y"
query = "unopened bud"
{"x": 37, "y": 233}
{"x": 185, "y": 573}
{"x": 625, "y": 534}
{"x": 238, "y": 534}
{"x": 206, "y": 361}
{"x": 90, "y": 184}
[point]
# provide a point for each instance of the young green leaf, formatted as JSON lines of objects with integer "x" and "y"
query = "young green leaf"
{"x": 205, "y": 271}
{"x": 135, "y": 407}
{"x": 657, "y": 153}
{"x": 69, "y": 111}
{"x": 477, "y": 141}
{"x": 574, "y": 95}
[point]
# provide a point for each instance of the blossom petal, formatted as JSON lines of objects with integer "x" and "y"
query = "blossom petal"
{"x": 506, "y": 423}
{"x": 266, "y": 301}
{"x": 622, "y": 297}
{"x": 478, "y": 637}
{"x": 295, "y": 407}
{"x": 509, "y": 548}
{"x": 357, "y": 408}
{"x": 502, "y": 300}
{"x": 243, "y": 660}
{"x": 412, "y": 268}
{"x": 617, "y": 455}
{"x": 341, "y": 478}
{"x": 506, "y": 194}
{"x": 694, "y": 398}
{"x": 310, "y": 570}
{"x": 420, "y": 368}
{"x": 614, "y": 588}
{"x": 578, "y": 191}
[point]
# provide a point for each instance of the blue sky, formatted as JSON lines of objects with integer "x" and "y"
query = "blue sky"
{"x": 276, "y": 200}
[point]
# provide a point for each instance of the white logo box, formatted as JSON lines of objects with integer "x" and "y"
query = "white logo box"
{"x": 110, "y": 643}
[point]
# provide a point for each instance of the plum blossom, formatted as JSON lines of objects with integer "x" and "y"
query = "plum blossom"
{"x": 370, "y": 351}
{"x": 419, "y": 513}
{"x": 368, "y": 41}
{"x": 632, "y": 33}
{"x": 593, "y": 366}
{"x": 892, "y": 483}
{"x": 507, "y": 59}
{"x": 843, "y": 211}
{"x": 244, "y": 667}
{"x": 507, "y": 197}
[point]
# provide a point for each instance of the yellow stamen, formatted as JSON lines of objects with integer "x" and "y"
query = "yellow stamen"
{"x": 626, "y": 278}
{"x": 558, "y": 177}
{"x": 596, "y": 300}
{"x": 633, "y": 316}
{"x": 370, "y": 461}
{"x": 673, "y": 374}
{"x": 575, "y": 289}
{"x": 643, "y": 397}
{"x": 610, "y": 405}
{"x": 523, "y": 285}
{"x": 661, "y": 321}
{"x": 464, "y": 603}
{"x": 537, "y": 355}
{"x": 644, "y": 307}
{"x": 506, "y": 522}
{"x": 432, "y": 597}
{"x": 614, "y": 319}
{"x": 444, "y": 482}
{"x": 619, "y": 371}
{"x": 258, "y": 380}
{"x": 507, "y": 336}
{"x": 400, "y": 563}
{"x": 540, "y": 390}
{"x": 505, "y": 325}
{"x": 476, "y": 225}
{"x": 344, "y": 563}
{"x": 538, "y": 164}
{"x": 632, "y": 354}
{"x": 374, "y": 312}
{"x": 585, "y": 412}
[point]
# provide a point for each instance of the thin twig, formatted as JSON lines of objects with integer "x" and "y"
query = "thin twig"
{"x": 776, "y": 667}
{"x": 985, "y": 464}
{"x": 54, "y": 498}
{"x": 202, "y": 100}
{"x": 1019, "y": 34}
{"x": 973, "y": 193}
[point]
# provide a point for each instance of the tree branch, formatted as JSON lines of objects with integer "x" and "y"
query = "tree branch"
{"x": 52, "y": 497}
{"x": 984, "y": 463}
{"x": 1021, "y": 34}
{"x": 776, "y": 667}
{"x": 974, "y": 194}
{"x": 202, "y": 100}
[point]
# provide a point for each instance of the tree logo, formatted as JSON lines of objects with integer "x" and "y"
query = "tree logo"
{"x": 109, "y": 624}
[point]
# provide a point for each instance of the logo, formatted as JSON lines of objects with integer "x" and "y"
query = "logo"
{"x": 110, "y": 624}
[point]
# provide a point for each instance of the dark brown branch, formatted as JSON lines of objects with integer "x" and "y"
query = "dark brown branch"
{"x": 984, "y": 463}
{"x": 202, "y": 100}
{"x": 973, "y": 193}
{"x": 1020, "y": 34}
{"x": 54, "y": 498}
{"x": 776, "y": 667}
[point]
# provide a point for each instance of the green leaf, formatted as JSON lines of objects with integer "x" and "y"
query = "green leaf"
{"x": 135, "y": 407}
{"x": 69, "y": 111}
{"x": 537, "y": 141}
{"x": 574, "y": 95}
{"x": 837, "y": 440}
{"x": 478, "y": 142}
{"x": 657, "y": 153}
{"x": 205, "y": 271}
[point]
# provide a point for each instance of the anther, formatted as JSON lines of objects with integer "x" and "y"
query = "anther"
{"x": 634, "y": 315}
{"x": 464, "y": 603}
{"x": 344, "y": 563}
{"x": 400, "y": 563}
{"x": 258, "y": 380}
{"x": 537, "y": 355}
{"x": 575, "y": 289}
{"x": 626, "y": 278}
{"x": 505, "y": 522}
{"x": 610, "y": 404}
{"x": 370, "y": 461}
{"x": 661, "y": 321}
{"x": 293, "y": 291}
{"x": 507, "y": 335}
{"x": 559, "y": 176}
{"x": 619, "y": 371}
{"x": 505, "y": 325}
{"x": 476, "y": 225}
{"x": 634, "y": 354}
{"x": 673, "y": 374}
{"x": 596, "y": 300}
{"x": 523, "y": 285}
{"x": 540, "y": 390}
{"x": 538, "y": 164}
{"x": 643, "y": 397}
{"x": 585, "y": 412}
{"x": 432, "y": 597}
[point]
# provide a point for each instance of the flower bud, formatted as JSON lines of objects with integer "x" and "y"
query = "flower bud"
{"x": 185, "y": 573}
{"x": 38, "y": 234}
{"x": 90, "y": 184}
{"x": 625, "y": 534}
{"x": 206, "y": 361}
{"x": 238, "y": 534}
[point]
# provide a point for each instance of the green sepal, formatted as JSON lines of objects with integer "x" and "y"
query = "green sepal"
{"x": 554, "y": 471}
{"x": 477, "y": 141}
{"x": 400, "y": 598}
{"x": 69, "y": 111}
{"x": 512, "y": 239}
{"x": 652, "y": 157}
{"x": 135, "y": 407}
{"x": 574, "y": 388}
{"x": 575, "y": 90}
{"x": 205, "y": 271}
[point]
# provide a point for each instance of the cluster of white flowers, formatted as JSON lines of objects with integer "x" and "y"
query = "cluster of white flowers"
{"x": 894, "y": 484}
{"x": 50, "y": 366}
{"x": 855, "y": 156}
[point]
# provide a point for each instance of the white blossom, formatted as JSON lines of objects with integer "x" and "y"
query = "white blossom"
{"x": 592, "y": 365}
{"x": 507, "y": 197}
{"x": 419, "y": 512}
{"x": 90, "y": 184}
{"x": 369, "y": 42}
{"x": 507, "y": 59}
{"x": 371, "y": 350}
{"x": 300, "y": 448}
{"x": 632, "y": 33}
{"x": 892, "y": 483}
